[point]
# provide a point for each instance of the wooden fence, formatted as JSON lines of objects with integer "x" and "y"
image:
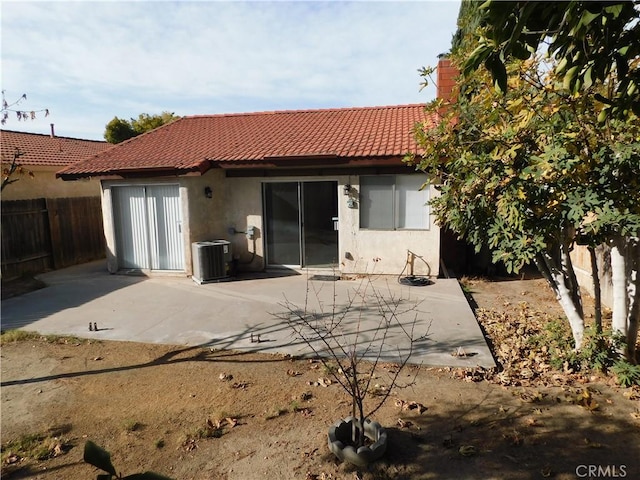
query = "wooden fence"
{"x": 50, "y": 233}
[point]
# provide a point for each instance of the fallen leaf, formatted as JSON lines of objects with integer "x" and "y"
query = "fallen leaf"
{"x": 416, "y": 406}
{"x": 532, "y": 422}
{"x": 467, "y": 450}
{"x": 310, "y": 454}
{"x": 459, "y": 352}
{"x": 190, "y": 445}
{"x": 514, "y": 438}
{"x": 404, "y": 423}
{"x": 304, "y": 396}
{"x": 231, "y": 422}
{"x": 12, "y": 459}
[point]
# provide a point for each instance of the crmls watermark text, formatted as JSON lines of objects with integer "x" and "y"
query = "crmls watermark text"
{"x": 601, "y": 471}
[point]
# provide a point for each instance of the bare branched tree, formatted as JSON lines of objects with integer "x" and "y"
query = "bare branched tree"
{"x": 8, "y": 108}
{"x": 352, "y": 340}
{"x": 13, "y": 167}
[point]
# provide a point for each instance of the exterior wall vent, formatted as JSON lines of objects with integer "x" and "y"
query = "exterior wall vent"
{"x": 211, "y": 261}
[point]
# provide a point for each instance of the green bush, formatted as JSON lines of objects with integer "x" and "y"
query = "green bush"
{"x": 600, "y": 352}
{"x": 627, "y": 374}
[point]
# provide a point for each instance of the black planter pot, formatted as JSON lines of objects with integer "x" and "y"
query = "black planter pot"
{"x": 340, "y": 442}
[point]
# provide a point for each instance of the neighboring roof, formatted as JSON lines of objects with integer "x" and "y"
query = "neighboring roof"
{"x": 45, "y": 150}
{"x": 347, "y": 136}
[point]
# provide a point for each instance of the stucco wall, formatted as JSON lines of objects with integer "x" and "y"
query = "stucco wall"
{"x": 203, "y": 218}
{"x": 236, "y": 203}
{"x": 582, "y": 265}
{"x": 44, "y": 184}
{"x": 386, "y": 251}
{"x": 360, "y": 251}
{"x": 244, "y": 208}
{"x": 206, "y": 216}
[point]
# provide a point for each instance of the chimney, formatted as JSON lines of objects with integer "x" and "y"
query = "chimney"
{"x": 446, "y": 79}
{"x": 53, "y": 132}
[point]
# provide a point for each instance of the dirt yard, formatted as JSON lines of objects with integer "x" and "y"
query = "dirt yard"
{"x": 193, "y": 413}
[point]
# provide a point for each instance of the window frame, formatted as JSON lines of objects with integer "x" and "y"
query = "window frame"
{"x": 396, "y": 189}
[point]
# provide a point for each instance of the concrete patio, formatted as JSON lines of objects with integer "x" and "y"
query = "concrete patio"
{"x": 234, "y": 314}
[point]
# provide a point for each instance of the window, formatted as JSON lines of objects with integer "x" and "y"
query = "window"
{"x": 392, "y": 202}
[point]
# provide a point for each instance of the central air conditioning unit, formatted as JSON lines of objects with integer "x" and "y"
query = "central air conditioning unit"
{"x": 211, "y": 261}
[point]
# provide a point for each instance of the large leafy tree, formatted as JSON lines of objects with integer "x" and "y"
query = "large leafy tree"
{"x": 528, "y": 171}
{"x": 590, "y": 42}
{"x": 118, "y": 130}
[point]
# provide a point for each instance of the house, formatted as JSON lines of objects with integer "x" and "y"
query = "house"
{"x": 44, "y": 155}
{"x": 309, "y": 188}
{"x": 48, "y": 223}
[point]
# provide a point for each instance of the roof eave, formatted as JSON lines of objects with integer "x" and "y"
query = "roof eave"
{"x": 138, "y": 172}
{"x": 312, "y": 161}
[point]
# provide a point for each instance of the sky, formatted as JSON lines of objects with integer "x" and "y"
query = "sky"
{"x": 88, "y": 62}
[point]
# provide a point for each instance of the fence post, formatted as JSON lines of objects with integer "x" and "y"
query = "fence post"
{"x": 54, "y": 232}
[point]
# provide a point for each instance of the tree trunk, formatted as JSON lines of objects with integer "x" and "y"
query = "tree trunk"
{"x": 360, "y": 439}
{"x": 597, "y": 293}
{"x": 543, "y": 268}
{"x": 619, "y": 282}
{"x": 633, "y": 297}
{"x": 571, "y": 279}
{"x": 357, "y": 403}
{"x": 560, "y": 281}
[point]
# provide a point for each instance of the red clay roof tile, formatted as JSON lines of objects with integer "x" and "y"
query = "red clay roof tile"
{"x": 195, "y": 143}
{"x": 45, "y": 150}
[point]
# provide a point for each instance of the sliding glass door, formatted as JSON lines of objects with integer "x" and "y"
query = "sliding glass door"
{"x": 148, "y": 227}
{"x": 282, "y": 214}
{"x": 300, "y": 223}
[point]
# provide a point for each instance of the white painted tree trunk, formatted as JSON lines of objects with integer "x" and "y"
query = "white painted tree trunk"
{"x": 573, "y": 315}
{"x": 562, "y": 286}
{"x": 571, "y": 280}
{"x": 633, "y": 296}
{"x": 619, "y": 284}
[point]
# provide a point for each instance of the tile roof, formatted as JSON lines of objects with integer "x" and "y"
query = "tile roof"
{"x": 264, "y": 139}
{"x": 45, "y": 150}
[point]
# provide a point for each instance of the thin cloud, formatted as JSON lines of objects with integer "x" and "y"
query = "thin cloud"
{"x": 215, "y": 57}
